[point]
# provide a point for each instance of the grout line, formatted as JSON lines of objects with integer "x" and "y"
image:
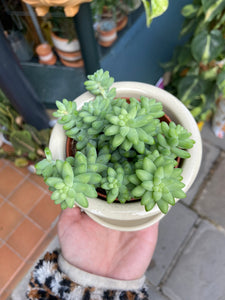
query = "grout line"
{"x": 179, "y": 252}
{"x": 14, "y": 251}
{"x": 33, "y": 181}
{"x": 26, "y": 260}
{"x": 16, "y": 188}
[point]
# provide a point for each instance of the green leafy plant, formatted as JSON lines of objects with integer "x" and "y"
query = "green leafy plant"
{"x": 61, "y": 25}
{"x": 198, "y": 66}
{"x": 123, "y": 149}
{"x": 154, "y": 9}
{"x": 27, "y": 142}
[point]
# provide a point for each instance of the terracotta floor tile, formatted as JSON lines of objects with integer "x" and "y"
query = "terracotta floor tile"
{"x": 2, "y": 162}
{"x": 9, "y": 263}
{"x": 1, "y": 199}
{"x": 26, "y": 196}
{"x": 9, "y": 179}
{"x": 9, "y": 218}
{"x": 45, "y": 212}
{"x": 25, "y": 238}
{"x": 23, "y": 170}
{"x": 38, "y": 180}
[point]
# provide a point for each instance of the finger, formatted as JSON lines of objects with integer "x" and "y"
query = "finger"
{"x": 69, "y": 216}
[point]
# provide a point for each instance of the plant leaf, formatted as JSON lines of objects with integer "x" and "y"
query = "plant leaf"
{"x": 207, "y": 46}
{"x": 212, "y": 8}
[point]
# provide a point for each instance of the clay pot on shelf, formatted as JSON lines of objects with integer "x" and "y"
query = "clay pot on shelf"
{"x": 68, "y": 51}
{"x": 45, "y": 54}
{"x": 107, "y": 33}
{"x": 121, "y": 21}
{"x": 71, "y": 59}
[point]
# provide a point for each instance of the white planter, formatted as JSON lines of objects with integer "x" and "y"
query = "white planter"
{"x": 132, "y": 216}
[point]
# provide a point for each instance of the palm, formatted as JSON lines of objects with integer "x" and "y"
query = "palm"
{"x": 103, "y": 251}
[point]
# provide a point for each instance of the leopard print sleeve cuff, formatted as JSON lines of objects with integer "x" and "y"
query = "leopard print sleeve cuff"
{"x": 48, "y": 281}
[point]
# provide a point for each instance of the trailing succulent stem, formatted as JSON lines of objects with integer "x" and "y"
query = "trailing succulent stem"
{"x": 122, "y": 147}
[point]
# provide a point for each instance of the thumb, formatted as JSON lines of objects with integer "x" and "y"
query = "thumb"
{"x": 69, "y": 216}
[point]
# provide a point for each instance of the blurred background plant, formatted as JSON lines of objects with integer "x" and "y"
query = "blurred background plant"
{"x": 198, "y": 66}
{"x": 27, "y": 143}
{"x": 61, "y": 25}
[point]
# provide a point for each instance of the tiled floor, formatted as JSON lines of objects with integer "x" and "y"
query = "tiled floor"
{"x": 27, "y": 223}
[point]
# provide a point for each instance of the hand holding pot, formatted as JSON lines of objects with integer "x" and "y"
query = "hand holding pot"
{"x": 102, "y": 251}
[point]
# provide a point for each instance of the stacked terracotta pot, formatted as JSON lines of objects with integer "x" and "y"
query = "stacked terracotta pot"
{"x": 107, "y": 28}
{"x": 68, "y": 51}
{"x": 45, "y": 54}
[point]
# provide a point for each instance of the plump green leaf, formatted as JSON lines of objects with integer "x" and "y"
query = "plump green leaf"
{"x": 179, "y": 194}
{"x": 134, "y": 179}
{"x": 148, "y": 165}
{"x": 52, "y": 181}
{"x": 140, "y": 147}
{"x": 148, "y": 185}
{"x": 70, "y": 202}
{"x": 133, "y": 136}
{"x": 143, "y": 175}
{"x": 112, "y": 195}
{"x": 68, "y": 180}
{"x": 67, "y": 170}
{"x": 112, "y": 130}
{"x": 81, "y": 200}
{"x": 163, "y": 206}
{"x": 169, "y": 198}
{"x": 147, "y": 199}
{"x": 138, "y": 191}
{"x": 117, "y": 140}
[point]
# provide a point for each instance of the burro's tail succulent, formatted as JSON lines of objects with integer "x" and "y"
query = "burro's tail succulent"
{"x": 157, "y": 182}
{"x": 122, "y": 147}
{"x": 74, "y": 179}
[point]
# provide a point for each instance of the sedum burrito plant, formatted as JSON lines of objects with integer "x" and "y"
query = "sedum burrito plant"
{"x": 124, "y": 150}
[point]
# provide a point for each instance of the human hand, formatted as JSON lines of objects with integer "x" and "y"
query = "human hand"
{"x": 102, "y": 251}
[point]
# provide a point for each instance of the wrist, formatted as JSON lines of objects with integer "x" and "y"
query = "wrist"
{"x": 84, "y": 278}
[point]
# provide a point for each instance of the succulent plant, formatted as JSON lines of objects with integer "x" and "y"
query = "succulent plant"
{"x": 28, "y": 143}
{"x": 122, "y": 147}
{"x": 157, "y": 182}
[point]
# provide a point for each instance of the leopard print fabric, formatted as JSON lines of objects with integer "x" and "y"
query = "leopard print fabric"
{"x": 49, "y": 282}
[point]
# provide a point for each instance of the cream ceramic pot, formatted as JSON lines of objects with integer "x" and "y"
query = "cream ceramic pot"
{"x": 132, "y": 216}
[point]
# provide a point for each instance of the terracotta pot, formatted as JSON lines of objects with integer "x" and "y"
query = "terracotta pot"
{"x": 73, "y": 64}
{"x": 64, "y": 44}
{"x": 69, "y": 56}
{"x": 71, "y": 59}
{"x": 121, "y": 22}
{"x": 107, "y": 33}
{"x": 46, "y": 56}
{"x": 132, "y": 216}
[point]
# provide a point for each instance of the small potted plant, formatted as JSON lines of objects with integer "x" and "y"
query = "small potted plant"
{"x": 107, "y": 33}
{"x": 64, "y": 38}
{"x": 124, "y": 149}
